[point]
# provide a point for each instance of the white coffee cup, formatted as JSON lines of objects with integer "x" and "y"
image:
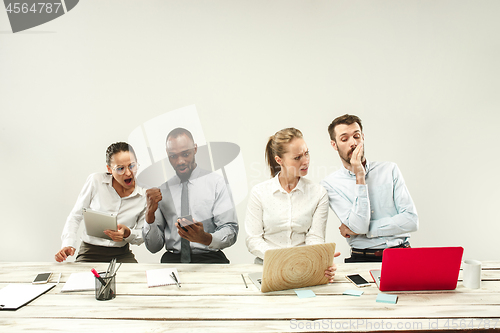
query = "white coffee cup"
{"x": 472, "y": 274}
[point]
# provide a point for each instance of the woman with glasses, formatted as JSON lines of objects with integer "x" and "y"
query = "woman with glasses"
{"x": 112, "y": 192}
{"x": 288, "y": 209}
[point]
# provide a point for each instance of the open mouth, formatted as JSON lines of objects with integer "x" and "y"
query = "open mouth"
{"x": 128, "y": 181}
{"x": 182, "y": 168}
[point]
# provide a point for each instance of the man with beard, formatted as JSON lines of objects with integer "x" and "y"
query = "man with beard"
{"x": 370, "y": 198}
{"x": 196, "y": 217}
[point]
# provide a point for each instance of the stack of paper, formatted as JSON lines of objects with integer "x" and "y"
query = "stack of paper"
{"x": 79, "y": 282}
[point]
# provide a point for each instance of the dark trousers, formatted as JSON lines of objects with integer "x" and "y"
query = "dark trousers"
{"x": 371, "y": 257}
{"x": 201, "y": 258}
{"x": 95, "y": 253}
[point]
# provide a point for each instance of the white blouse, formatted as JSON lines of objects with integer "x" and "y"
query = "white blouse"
{"x": 278, "y": 219}
{"x": 99, "y": 194}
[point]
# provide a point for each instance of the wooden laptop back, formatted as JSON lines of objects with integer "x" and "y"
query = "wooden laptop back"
{"x": 296, "y": 267}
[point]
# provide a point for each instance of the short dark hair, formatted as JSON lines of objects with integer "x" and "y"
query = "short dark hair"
{"x": 179, "y": 131}
{"x": 116, "y": 148}
{"x": 346, "y": 119}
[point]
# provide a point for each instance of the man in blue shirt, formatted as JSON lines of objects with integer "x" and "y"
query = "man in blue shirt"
{"x": 370, "y": 198}
{"x": 200, "y": 194}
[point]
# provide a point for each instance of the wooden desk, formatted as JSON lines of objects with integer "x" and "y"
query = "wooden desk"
{"x": 213, "y": 298}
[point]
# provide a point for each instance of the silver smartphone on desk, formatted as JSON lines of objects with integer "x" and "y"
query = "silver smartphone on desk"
{"x": 357, "y": 280}
{"x": 42, "y": 278}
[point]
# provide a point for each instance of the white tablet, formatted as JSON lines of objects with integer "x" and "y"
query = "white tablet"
{"x": 97, "y": 222}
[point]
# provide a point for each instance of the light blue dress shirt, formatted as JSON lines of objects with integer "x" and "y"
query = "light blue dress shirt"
{"x": 209, "y": 202}
{"x": 381, "y": 212}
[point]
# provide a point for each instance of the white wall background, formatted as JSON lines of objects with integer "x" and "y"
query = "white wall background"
{"x": 423, "y": 76}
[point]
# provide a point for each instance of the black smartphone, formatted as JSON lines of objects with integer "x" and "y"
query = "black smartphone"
{"x": 189, "y": 220}
{"x": 42, "y": 278}
{"x": 357, "y": 280}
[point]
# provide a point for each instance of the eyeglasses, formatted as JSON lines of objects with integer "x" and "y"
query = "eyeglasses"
{"x": 120, "y": 169}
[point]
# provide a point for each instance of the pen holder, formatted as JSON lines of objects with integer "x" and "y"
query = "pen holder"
{"x": 105, "y": 288}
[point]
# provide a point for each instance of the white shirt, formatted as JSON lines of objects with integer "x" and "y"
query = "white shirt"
{"x": 381, "y": 212}
{"x": 98, "y": 194}
{"x": 277, "y": 219}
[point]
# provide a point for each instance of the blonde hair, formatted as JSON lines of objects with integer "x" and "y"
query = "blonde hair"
{"x": 276, "y": 147}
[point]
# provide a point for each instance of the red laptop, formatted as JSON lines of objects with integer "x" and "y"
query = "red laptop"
{"x": 425, "y": 268}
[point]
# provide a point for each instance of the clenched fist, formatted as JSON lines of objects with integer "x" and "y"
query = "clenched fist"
{"x": 153, "y": 196}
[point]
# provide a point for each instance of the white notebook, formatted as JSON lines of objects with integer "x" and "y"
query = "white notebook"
{"x": 79, "y": 282}
{"x": 161, "y": 277}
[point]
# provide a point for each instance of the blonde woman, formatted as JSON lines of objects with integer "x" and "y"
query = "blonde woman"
{"x": 288, "y": 209}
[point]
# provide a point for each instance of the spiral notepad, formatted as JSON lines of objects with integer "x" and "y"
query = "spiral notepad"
{"x": 161, "y": 277}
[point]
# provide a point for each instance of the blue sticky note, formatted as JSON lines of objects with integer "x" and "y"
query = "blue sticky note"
{"x": 353, "y": 292}
{"x": 305, "y": 293}
{"x": 386, "y": 298}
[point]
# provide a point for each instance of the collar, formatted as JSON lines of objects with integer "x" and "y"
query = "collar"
{"x": 276, "y": 186}
{"x": 195, "y": 174}
{"x": 349, "y": 173}
{"x": 108, "y": 179}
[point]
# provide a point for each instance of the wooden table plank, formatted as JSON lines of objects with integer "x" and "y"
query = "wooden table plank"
{"x": 222, "y": 326}
{"x": 260, "y": 307}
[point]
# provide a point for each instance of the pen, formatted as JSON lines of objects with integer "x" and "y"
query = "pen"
{"x": 111, "y": 267}
{"x": 109, "y": 274}
{"x": 109, "y": 290}
{"x": 98, "y": 276}
{"x": 175, "y": 279}
{"x": 244, "y": 281}
{"x": 116, "y": 270}
{"x": 58, "y": 279}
